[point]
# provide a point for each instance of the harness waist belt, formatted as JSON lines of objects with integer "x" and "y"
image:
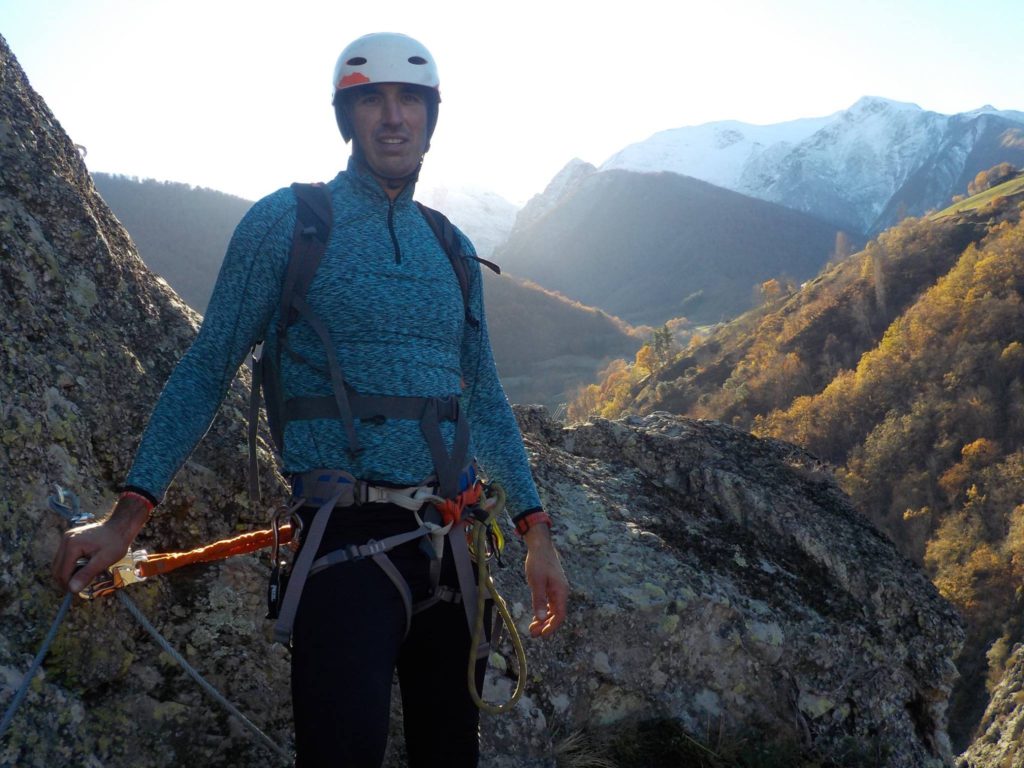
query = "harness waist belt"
{"x": 319, "y": 485}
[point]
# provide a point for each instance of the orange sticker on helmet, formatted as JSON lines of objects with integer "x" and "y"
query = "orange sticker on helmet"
{"x": 355, "y": 78}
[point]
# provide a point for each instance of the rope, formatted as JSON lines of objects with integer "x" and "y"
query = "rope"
{"x": 213, "y": 692}
{"x": 36, "y": 663}
{"x": 67, "y": 505}
{"x": 480, "y": 533}
{"x": 165, "y": 562}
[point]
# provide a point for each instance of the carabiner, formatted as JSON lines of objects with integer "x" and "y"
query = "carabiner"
{"x": 120, "y": 574}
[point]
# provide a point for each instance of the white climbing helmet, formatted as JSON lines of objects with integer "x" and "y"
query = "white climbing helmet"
{"x": 385, "y": 57}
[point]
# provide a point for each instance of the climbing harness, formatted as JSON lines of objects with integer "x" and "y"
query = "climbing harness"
{"x": 120, "y": 575}
{"x": 437, "y": 503}
{"x": 467, "y": 522}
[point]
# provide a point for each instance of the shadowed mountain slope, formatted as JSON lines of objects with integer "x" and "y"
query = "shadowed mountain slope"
{"x": 650, "y": 247}
{"x": 181, "y": 231}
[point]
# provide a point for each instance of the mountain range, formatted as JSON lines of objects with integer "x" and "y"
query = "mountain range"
{"x": 694, "y": 220}
{"x": 690, "y": 224}
{"x": 861, "y": 168}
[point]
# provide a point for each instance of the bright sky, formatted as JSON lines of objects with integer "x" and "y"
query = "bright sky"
{"x": 236, "y": 95}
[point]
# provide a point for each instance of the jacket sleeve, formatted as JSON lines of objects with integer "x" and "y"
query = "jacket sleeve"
{"x": 496, "y": 435}
{"x": 243, "y": 300}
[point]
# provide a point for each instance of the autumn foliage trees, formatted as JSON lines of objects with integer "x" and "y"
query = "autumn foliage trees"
{"x": 988, "y": 179}
{"x": 611, "y": 397}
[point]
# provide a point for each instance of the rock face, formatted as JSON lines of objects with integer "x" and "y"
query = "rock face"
{"x": 720, "y": 581}
{"x": 87, "y": 336}
{"x": 998, "y": 742}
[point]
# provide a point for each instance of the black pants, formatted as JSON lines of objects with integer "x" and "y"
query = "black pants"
{"x": 348, "y": 641}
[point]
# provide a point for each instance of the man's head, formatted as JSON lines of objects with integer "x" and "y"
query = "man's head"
{"x": 386, "y": 96}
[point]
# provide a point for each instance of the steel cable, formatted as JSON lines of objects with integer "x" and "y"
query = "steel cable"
{"x": 213, "y": 692}
{"x": 36, "y": 663}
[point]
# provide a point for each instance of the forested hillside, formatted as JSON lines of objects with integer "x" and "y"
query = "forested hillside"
{"x": 545, "y": 345}
{"x": 902, "y": 367}
{"x": 927, "y": 433}
{"x": 181, "y": 231}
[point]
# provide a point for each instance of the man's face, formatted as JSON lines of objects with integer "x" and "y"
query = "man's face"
{"x": 389, "y": 121}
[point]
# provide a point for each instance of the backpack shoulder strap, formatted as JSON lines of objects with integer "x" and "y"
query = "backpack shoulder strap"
{"x": 313, "y": 217}
{"x": 446, "y": 235}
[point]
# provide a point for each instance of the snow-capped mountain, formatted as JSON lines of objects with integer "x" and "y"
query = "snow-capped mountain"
{"x": 564, "y": 182}
{"x": 485, "y": 216}
{"x": 860, "y": 167}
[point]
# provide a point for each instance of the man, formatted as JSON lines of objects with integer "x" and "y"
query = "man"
{"x": 401, "y": 335}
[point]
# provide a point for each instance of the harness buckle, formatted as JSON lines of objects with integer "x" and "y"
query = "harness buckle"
{"x": 373, "y": 494}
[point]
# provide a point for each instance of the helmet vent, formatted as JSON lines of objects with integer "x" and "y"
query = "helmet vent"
{"x": 356, "y": 61}
{"x": 417, "y": 60}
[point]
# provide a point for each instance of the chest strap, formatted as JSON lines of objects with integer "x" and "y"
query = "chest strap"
{"x": 429, "y": 411}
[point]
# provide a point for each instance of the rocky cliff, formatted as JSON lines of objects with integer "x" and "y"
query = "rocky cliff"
{"x": 998, "y": 741}
{"x": 722, "y": 584}
{"x": 724, "y": 581}
{"x": 88, "y": 335}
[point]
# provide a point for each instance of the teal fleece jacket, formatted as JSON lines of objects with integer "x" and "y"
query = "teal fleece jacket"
{"x": 391, "y": 300}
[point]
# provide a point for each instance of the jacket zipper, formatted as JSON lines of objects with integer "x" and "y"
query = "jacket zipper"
{"x": 391, "y": 229}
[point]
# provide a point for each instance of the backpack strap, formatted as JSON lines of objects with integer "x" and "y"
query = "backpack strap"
{"x": 445, "y": 233}
{"x": 313, "y": 218}
{"x": 258, "y": 376}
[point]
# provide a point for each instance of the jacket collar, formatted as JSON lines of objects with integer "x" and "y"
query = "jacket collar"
{"x": 366, "y": 183}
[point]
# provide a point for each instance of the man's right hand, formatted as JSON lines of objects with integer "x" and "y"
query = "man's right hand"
{"x": 101, "y": 544}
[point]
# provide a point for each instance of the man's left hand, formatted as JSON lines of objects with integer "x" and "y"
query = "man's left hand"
{"x": 548, "y": 586}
